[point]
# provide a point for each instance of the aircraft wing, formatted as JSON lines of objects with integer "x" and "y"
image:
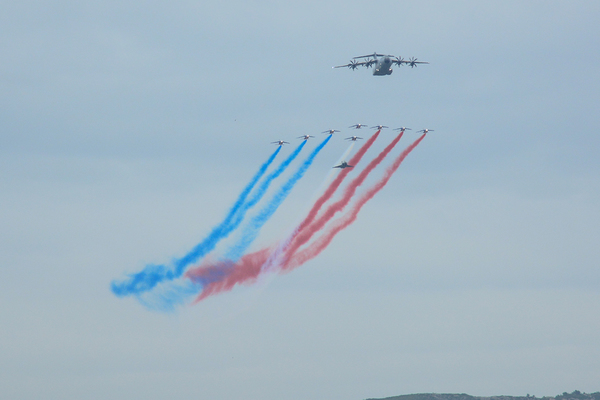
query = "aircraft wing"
{"x": 412, "y": 62}
{"x": 370, "y": 55}
{"x": 353, "y": 64}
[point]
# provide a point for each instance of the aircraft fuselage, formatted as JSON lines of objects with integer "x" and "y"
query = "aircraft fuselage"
{"x": 383, "y": 66}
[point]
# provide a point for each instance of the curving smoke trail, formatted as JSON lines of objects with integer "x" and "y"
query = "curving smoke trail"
{"x": 332, "y": 173}
{"x": 262, "y": 189}
{"x": 152, "y": 274}
{"x": 277, "y": 255}
{"x": 306, "y": 231}
{"x": 322, "y": 242}
{"x": 251, "y": 230}
{"x": 223, "y": 276}
{"x": 336, "y": 183}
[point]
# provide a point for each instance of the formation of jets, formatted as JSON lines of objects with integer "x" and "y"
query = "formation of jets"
{"x": 354, "y": 138}
{"x": 382, "y": 63}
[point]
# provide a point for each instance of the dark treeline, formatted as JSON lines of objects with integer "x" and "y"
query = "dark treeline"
{"x": 575, "y": 395}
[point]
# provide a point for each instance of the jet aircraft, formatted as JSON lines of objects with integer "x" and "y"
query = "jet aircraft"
{"x": 353, "y": 138}
{"x": 426, "y": 130}
{"x": 343, "y": 165}
{"x": 379, "y": 127}
{"x": 402, "y": 129}
{"x": 330, "y": 131}
{"x": 305, "y": 137}
{"x": 357, "y": 126}
{"x": 280, "y": 142}
{"x": 382, "y": 62}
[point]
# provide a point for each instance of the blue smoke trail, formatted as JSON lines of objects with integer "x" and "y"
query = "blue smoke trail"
{"x": 166, "y": 297}
{"x": 152, "y": 275}
{"x": 262, "y": 189}
{"x": 252, "y": 229}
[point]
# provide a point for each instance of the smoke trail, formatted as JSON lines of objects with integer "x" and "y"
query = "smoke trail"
{"x": 167, "y": 295}
{"x": 332, "y": 172}
{"x": 320, "y": 244}
{"x": 275, "y": 258}
{"x": 151, "y": 275}
{"x": 217, "y": 278}
{"x": 336, "y": 183}
{"x": 252, "y": 229}
{"x": 306, "y": 232}
{"x": 262, "y": 189}
{"x": 223, "y": 276}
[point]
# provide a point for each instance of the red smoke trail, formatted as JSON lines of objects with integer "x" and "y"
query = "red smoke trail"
{"x": 304, "y": 233}
{"x": 336, "y": 183}
{"x": 223, "y": 276}
{"x": 320, "y": 244}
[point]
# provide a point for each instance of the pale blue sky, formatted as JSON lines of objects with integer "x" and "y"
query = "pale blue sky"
{"x": 128, "y": 129}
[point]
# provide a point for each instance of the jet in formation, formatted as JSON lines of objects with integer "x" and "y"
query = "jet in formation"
{"x": 280, "y": 142}
{"x": 343, "y": 165}
{"x": 379, "y": 127}
{"x": 305, "y": 137}
{"x": 402, "y": 129}
{"x": 353, "y": 138}
{"x": 382, "y": 63}
{"x": 426, "y": 130}
{"x": 357, "y": 126}
{"x": 330, "y": 131}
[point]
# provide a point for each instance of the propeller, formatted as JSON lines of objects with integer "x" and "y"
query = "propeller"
{"x": 412, "y": 62}
{"x": 369, "y": 63}
{"x": 400, "y": 60}
{"x": 353, "y": 64}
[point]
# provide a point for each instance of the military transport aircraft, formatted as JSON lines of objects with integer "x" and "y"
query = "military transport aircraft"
{"x": 383, "y": 64}
{"x": 280, "y": 142}
{"x": 353, "y": 138}
{"x": 343, "y": 165}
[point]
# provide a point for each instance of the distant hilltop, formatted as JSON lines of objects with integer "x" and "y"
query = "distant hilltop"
{"x": 576, "y": 395}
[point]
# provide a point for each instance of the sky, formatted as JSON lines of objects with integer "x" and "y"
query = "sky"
{"x": 128, "y": 129}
